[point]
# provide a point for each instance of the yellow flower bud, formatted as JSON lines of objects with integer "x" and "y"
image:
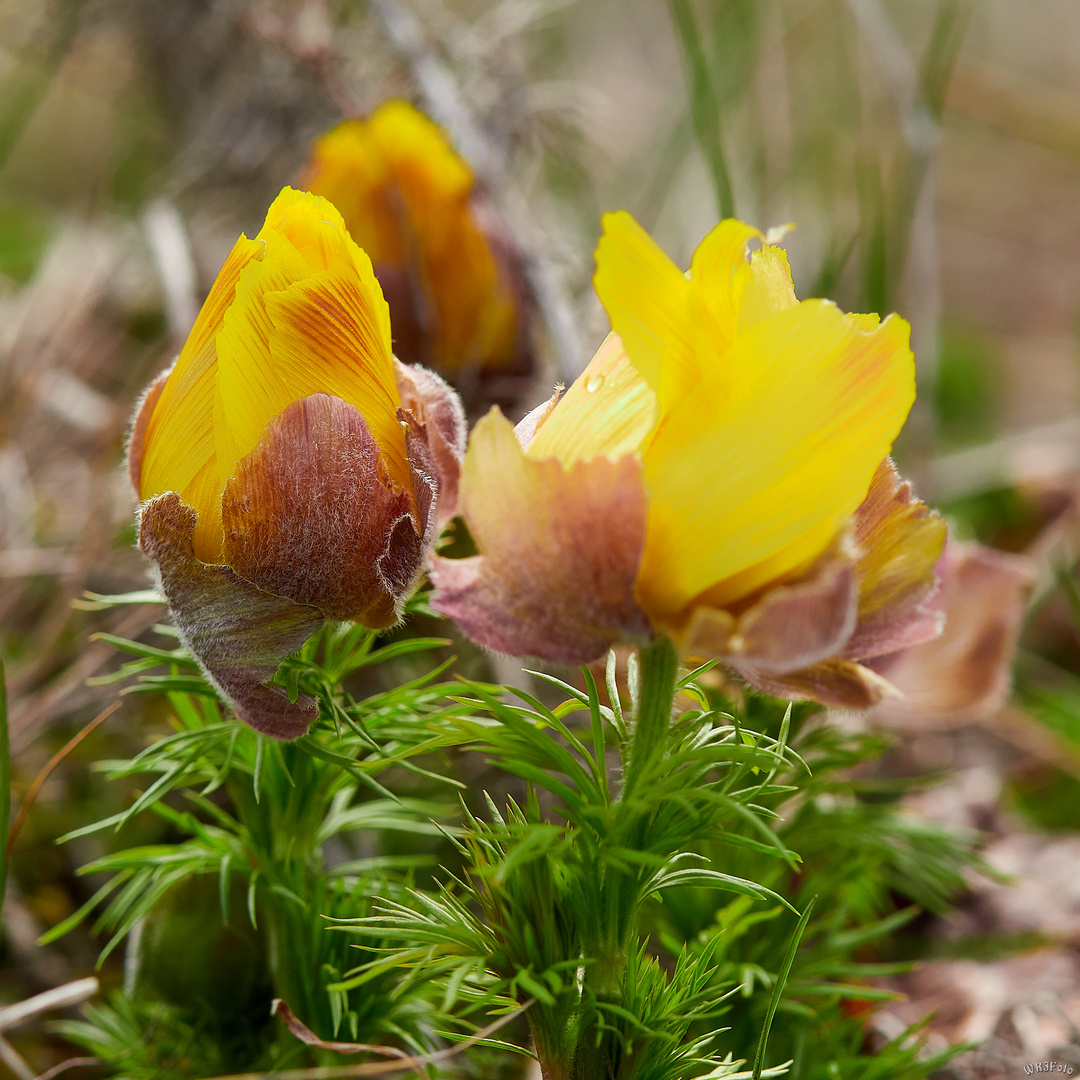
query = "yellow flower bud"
{"x": 445, "y": 262}
{"x": 289, "y": 468}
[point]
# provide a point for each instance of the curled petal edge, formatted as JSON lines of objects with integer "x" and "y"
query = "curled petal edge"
{"x": 901, "y": 541}
{"x": 965, "y": 674}
{"x": 440, "y": 417}
{"x": 238, "y": 633}
{"x": 527, "y": 427}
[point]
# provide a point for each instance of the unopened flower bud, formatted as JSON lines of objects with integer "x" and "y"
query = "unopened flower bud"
{"x": 289, "y": 469}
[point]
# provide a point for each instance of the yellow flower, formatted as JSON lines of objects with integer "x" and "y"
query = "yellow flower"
{"x": 718, "y": 473}
{"x": 410, "y": 202}
{"x": 288, "y": 466}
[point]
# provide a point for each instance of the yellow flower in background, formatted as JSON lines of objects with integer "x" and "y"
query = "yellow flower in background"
{"x": 409, "y": 200}
{"x": 289, "y": 468}
{"x": 719, "y": 473}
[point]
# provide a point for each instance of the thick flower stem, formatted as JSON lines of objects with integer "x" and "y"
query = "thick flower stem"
{"x": 658, "y": 668}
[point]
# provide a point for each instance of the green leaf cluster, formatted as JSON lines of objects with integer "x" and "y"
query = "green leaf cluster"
{"x": 666, "y": 883}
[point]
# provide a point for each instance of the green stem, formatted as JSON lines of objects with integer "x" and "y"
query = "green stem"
{"x": 704, "y": 107}
{"x": 658, "y": 668}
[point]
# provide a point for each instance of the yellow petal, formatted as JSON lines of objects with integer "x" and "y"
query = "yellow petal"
{"x": 768, "y": 289}
{"x": 752, "y": 476}
{"x": 470, "y": 301}
{"x": 309, "y": 317}
{"x": 867, "y": 322}
{"x": 179, "y": 438}
{"x": 647, "y": 298}
{"x": 720, "y": 272}
{"x": 250, "y": 392}
{"x": 395, "y": 159}
{"x": 204, "y": 495}
{"x": 407, "y": 135}
{"x": 609, "y": 410}
{"x": 292, "y": 333}
{"x": 348, "y": 167}
{"x": 407, "y": 197}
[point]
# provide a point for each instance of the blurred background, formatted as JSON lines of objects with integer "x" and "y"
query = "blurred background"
{"x": 929, "y": 153}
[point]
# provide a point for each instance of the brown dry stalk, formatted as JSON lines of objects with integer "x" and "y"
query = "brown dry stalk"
{"x": 307, "y": 1036}
{"x": 55, "y": 760}
{"x": 381, "y": 1068}
{"x": 71, "y": 1063}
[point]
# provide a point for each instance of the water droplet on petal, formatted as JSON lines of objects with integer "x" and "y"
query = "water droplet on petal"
{"x": 593, "y": 383}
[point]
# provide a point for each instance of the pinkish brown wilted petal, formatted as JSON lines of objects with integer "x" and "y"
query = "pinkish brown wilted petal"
{"x": 561, "y": 549}
{"x": 443, "y": 427}
{"x": 308, "y": 514}
{"x": 843, "y": 684}
{"x": 791, "y": 626}
{"x": 143, "y": 411}
{"x": 238, "y": 633}
{"x": 965, "y": 673}
{"x": 900, "y": 540}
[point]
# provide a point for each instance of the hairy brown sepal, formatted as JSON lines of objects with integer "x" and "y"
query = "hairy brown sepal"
{"x": 308, "y": 514}
{"x": 560, "y": 550}
{"x": 238, "y": 633}
{"x": 442, "y": 427}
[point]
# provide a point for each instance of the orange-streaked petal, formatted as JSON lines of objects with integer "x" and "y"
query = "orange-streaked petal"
{"x": 559, "y": 549}
{"x": 204, "y": 493}
{"x": 329, "y": 338}
{"x": 452, "y": 275}
{"x": 137, "y": 439}
{"x": 179, "y": 438}
{"x": 609, "y": 410}
{"x": 750, "y": 482}
{"x": 250, "y": 389}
